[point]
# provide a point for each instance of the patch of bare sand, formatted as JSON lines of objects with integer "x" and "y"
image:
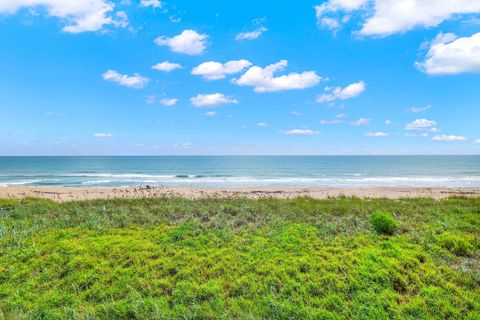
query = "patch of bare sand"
{"x": 70, "y": 194}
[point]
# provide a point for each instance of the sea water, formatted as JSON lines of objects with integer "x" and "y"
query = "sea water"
{"x": 239, "y": 171}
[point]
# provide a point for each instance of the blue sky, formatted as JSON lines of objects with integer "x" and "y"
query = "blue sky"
{"x": 92, "y": 77}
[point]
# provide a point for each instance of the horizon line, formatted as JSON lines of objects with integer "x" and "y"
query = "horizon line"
{"x": 251, "y": 155}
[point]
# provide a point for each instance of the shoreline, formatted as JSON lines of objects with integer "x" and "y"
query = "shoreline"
{"x": 62, "y": 194}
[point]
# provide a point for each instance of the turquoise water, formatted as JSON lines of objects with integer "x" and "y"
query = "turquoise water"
{"x": 233, "y": 171}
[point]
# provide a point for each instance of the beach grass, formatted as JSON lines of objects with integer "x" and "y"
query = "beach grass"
{"x": 174, "y": 258}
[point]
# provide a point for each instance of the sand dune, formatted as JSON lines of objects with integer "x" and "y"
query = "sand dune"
{"x": 70, "y": 194}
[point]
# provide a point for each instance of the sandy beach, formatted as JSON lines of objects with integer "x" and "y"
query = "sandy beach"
{"x": 72, "y": 194}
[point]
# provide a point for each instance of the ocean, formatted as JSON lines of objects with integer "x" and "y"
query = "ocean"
{"x": 239, "y": 171}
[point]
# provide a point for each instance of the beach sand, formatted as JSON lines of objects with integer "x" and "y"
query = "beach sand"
{"x": 70, "y": 194}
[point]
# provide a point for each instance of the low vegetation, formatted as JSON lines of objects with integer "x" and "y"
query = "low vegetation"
{"x": 173, "y": 258}
{"x": 383, "y": 223}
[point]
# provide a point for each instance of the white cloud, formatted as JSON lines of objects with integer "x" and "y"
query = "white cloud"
{"x": 338, "y": 93}
{"x": 296, "y": 113}
{"x": 451, "y": 55}
{"x": 175, "y": 19}
{"x": 122, "y": 19}
{"x": 212, "y": 70}
{"x": 419, "y": 109}
{"x": 103, "y": 135}
{"x": 477, "y": 141}
{"x": 414, "y": 135}
{"x": 166, "y": 66}
{"x": 360, "y": 122}
{"x": 169, "y": 102}
{"x": 341, "y": 116}
{"x": 211, "y": 100}
{"x": 251, "y": 35}
{"x": 210, "y": 113}
{"x": 263, "y": 80}
{"x": 376, "y": 134}
{"x": 135, "y": 81}
{"x": 325, "y": 11}
{"x": 344, "y": 5}
{"x": 335, "y": 121}
{"x": 262, "y": 124}
{"x": 448, "y": 138}
{"x": 330, "y": 23}
{"x": 78, "y": 15}
{"x": 387, "y": 17}
{"x": 394, "y": 16}
{"x": 189, "y": 42}
{"x": 151, "y": 3}
{"x": 299, "y": 132}
{"x": 388, "y": 122}
{"x": 421, "y": 125}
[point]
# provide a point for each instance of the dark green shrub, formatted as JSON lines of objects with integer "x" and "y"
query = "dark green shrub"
{"x": 383, "y": 223}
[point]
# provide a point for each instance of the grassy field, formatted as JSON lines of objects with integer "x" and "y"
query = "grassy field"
{"x": 173, "y": 258}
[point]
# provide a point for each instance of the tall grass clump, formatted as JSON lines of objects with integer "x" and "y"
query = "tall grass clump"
{"x": 383, "y": 223}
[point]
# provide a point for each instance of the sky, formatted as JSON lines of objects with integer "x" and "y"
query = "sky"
{"x": 151, "y": 77}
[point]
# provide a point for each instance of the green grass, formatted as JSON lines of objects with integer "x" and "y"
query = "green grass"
{"x": 172, "y": 258}
{"x": 383, "y": 223}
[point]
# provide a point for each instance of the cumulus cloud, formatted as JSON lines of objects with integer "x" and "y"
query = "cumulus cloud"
{"x": 211, "y": 100}
{"x": 251, "y": 35}
{"x": 394, "y": 16}
{"x": 212, "y": 70}
{"x": 300, "y": 132}
{"x": 451, "y": 55}
{"x": 188, "y": 42}
{"x": 78, "y": 15}
{"x": 296, "y": 113}
{"x": 477, "y": 141}
{"x": 327, "y": 12}
{"x": 421, "y": 125}
{"x": 262, "y": 124}
{"x": 387, "y": 17}
{"x": 135, "y": 81}
{"x": 103, "y": 135}
{"x": 169, "y": 102}
{"x": 166, "y": 66}
{"x": 151, "y": 3}
{"x": 376, "y": 134}
{"x": 388, "y": 122}
{"x": 263, "y": 79}
{"x": 448, "y": 138}
{"x": 351, "y": 91}
{"x": 210, "y": 113}
{"x": 360, "y": 122}
{"x": 419, "y": 109}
